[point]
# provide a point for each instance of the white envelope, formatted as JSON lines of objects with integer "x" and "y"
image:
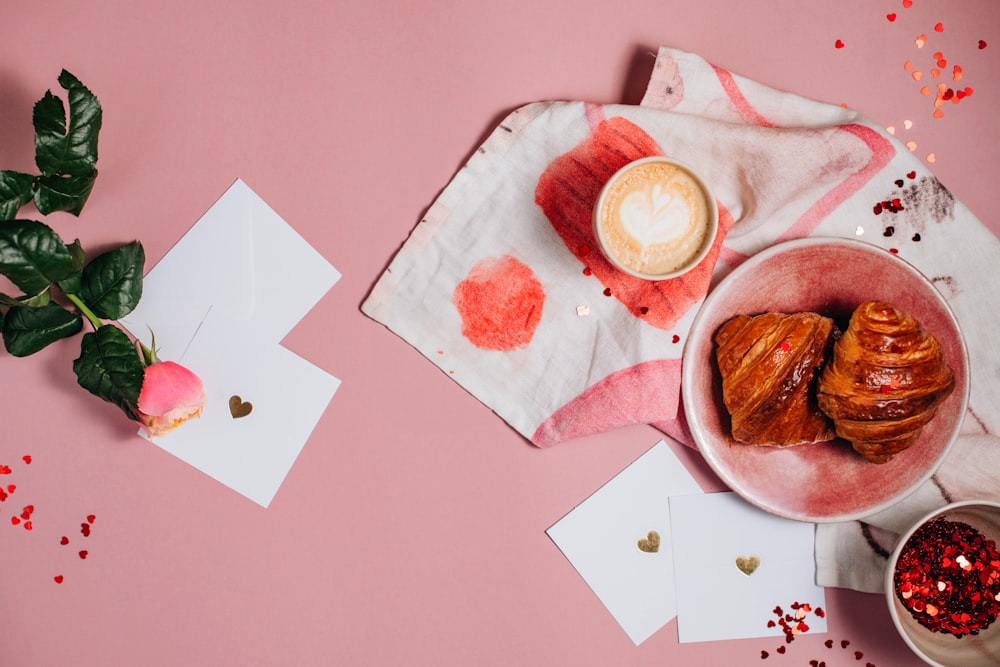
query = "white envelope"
{"x": 278, "y": 398}
{"x": 601, "y": 538}
{"x": 241, "y": 258}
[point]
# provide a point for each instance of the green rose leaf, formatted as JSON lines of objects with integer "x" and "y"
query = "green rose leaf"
{"x": 32, "y": 255}
{"x": 37, "y": 301}
{"x": 15, "y": 192}
{"x": 28, "y": 330}
{"x": 112, "y": 282}
{"x": 71, "y": 283}
{"x": 110, "y": 368}
{"x": 63, "y": 193}
{"x": 67, "y": 149}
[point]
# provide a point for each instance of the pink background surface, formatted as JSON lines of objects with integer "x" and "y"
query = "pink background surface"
{"x": 412, "y": 528}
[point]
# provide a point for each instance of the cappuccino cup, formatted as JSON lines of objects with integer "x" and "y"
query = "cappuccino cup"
{"x": 655, "y": 219}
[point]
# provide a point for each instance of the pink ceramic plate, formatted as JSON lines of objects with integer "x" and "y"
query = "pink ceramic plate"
{"x": 820, "y": 482}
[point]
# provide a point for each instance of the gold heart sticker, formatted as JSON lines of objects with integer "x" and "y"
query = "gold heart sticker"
{"x": 238, "y": 407}
{"x": 651, "y": 543}
{"x": 747, "y": 565}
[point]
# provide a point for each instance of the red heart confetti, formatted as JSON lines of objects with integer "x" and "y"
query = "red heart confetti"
{"x": 58, "y": 578}
{"x": 844, "y": 643}
{"x": 907, "y": 3}
{"x": 27, "y": 459}
{"x": 911, "y": 175}
{"x": 11, "y": 488}
{"x": 675, "y": 339}
{"x": 858, "y": 655}
{"x": 4, "y": 470}
{"x": 85, "y": 529}
{"x": 982, "y": 44}
{"x": 90, "y": 518}
{"x": 891, "y": 17}
{"x": 939, "y": 27}
{"x": 829, "y": 643}
{"x": 839, "y": 44}
{"x": 14, "y": 520}
{"x": 763, "y": 655}
{"x": 27, "y": 525}
{"x": 83, "y": 553}
{"x": 780, "y": 649}
{"x": 64, "y": 540}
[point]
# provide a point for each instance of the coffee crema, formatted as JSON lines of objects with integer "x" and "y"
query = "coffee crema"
{"x": 654, "y": 218}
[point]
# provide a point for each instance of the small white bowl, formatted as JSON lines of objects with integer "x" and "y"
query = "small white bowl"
{"x": 938, "y": 648}
{"x": 711, "y": 223}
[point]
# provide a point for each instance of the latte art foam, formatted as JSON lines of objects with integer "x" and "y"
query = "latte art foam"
{"x": 654, "y": 218}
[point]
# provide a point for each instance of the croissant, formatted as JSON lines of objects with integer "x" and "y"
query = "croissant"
{"x": 884, "y": 382}
{"x": 769, "y": 365}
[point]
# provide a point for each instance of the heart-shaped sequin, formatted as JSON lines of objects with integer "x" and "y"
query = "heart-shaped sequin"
{"x": 748, "y": 564}
{"x": 651, "y": 543}
{"x": 238, "y": 407}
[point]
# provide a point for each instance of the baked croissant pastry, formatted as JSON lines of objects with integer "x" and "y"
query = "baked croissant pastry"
{"x": 769, "y": 365}
{"x": 884, "y": 382}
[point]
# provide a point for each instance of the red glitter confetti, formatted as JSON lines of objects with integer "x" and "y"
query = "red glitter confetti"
{"x": 58, "y": 578}
{"x": 26, "y": 459}
{"x": 83, "y": 553}
{"x": 64, "y": 540}
{"x": 839, "y": 44}
{"x": 948, "y": 577}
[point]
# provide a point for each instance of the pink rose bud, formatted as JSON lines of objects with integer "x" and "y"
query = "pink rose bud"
{"x": 170, "y": 395}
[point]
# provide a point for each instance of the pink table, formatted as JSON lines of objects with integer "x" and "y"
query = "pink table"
{"x": 412, "y": 528}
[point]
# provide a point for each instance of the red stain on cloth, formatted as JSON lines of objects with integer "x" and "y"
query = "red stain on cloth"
{"x": 500, "y": 302}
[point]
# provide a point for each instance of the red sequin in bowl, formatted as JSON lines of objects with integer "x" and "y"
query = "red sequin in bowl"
{"x": 819, "y": 482}
{"x": 948, "y": 585}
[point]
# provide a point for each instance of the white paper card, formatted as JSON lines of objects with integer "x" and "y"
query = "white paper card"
{"x": 240, "y": 260}
{"x": 715, "y": 599}
{"x": 250, "y": 453}
{"x": 600, "y": 537}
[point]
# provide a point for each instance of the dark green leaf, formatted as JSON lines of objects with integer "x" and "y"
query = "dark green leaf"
{"x": 37, "y": 301}
{"x": 15, "y": 192}
{"x": 62, "y": 149}
{"x": 112, "y": 282}
{"x": 63, "y": 193}
{"x": 28, "y": 330}
{"x": 32, "y": 255}
{"x": 71, "y": 284}
{"x": 110, "y": 368}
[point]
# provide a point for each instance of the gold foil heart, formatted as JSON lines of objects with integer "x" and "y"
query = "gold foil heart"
{"x": 651, "y": 543}
{"x": 238, "y": 407}
{"x": 748, "y": 564}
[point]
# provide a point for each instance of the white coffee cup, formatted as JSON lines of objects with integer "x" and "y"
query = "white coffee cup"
{"x": 655, "y": 219}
